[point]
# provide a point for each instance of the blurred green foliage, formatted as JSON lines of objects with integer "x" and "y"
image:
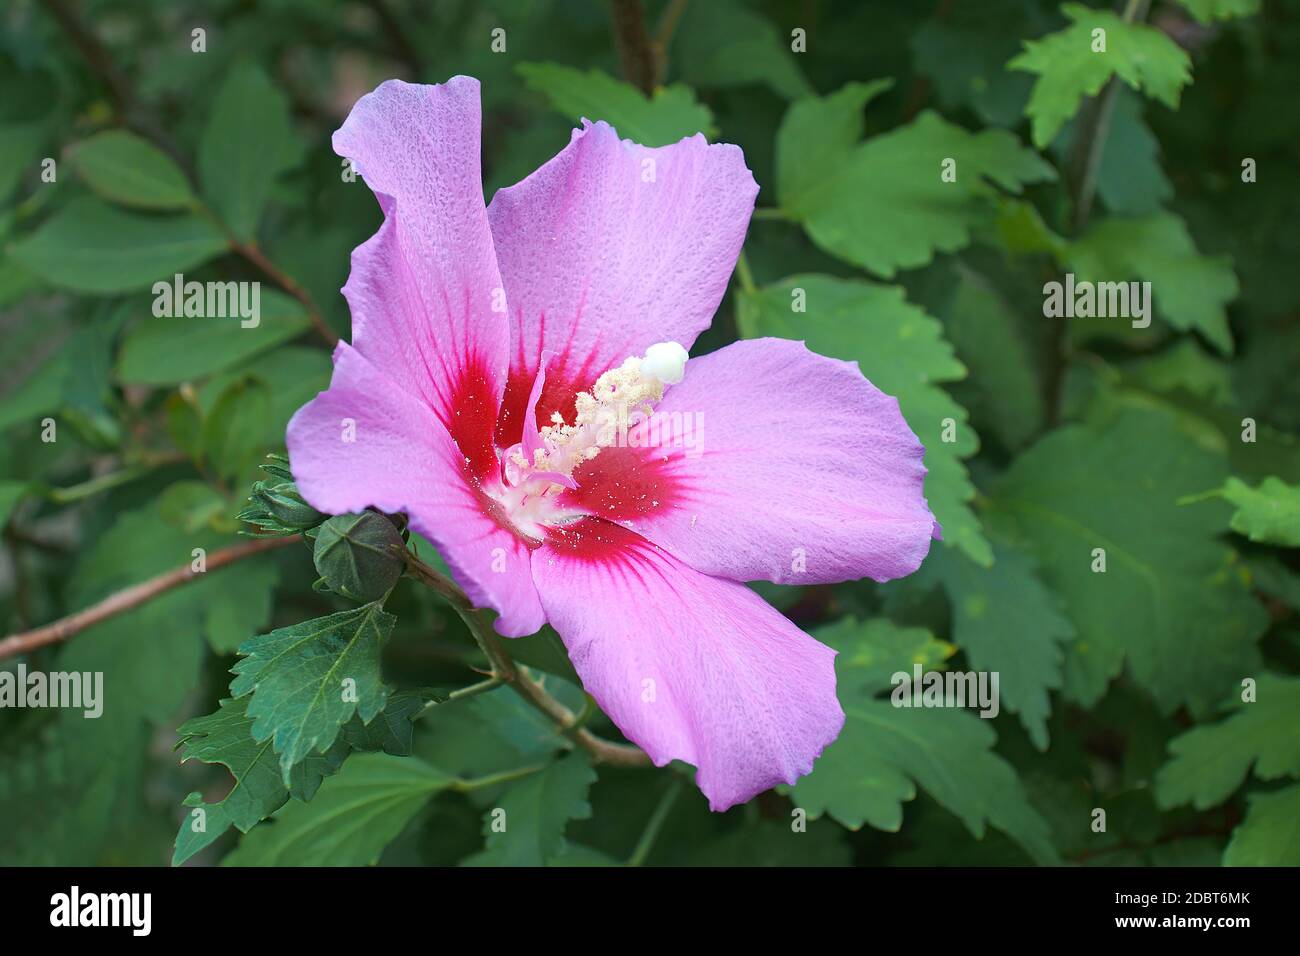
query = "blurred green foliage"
{"x": 1162, "y": 690}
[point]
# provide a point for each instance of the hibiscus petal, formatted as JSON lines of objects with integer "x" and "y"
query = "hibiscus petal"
{"x": 366, "y": 443}
{"x": 689, "y": 667}
{"x": 788, "y": 467}
{"x": 422, "y": 289}
{"x": 609, "y": 248}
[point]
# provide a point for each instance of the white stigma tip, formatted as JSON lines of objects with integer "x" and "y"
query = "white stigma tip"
{"x": 665, "y": 361}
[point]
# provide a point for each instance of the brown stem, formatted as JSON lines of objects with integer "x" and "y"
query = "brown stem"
{"x": 1086, "y": 164}
{"x": 505, "y": 671}
{"x": 97, "y": 57}
{"x": 1092, "y": 144}
{"x": 664, "y": 36}
{"x": 437, "y": 582}
{"x": 132, "y": 597}
{"x": 101, "y": 64}
{"x": 633, "y": 40}
{"x": 1054, "y": 372}
{"x": 1091, "y": 149}
{"x": 273, "y": 272}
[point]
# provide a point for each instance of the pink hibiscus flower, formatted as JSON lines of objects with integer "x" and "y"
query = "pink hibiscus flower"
{"x": 517, "y": 384}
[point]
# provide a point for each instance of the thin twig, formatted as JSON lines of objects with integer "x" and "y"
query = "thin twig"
{"x": 255, "y": 256}
{"x": 600, "y": 749}
{"x": 491, "y": 780}
{"x": 101, "y": 64}
{"x": 664, "y": 36}
{"x": 1092, "y": 144}
{"x": 1089, "y": 150}
{"x": 633, "y": 41}
{"x": 1092, "y": 147}
{"x": 132, "y": 597}
{"x": 94, "y": 486}
{"x": 97, "y": 56}
{"x": 505, "y": 670}
{"x": 655, "y": 824}
{"x": 437, "y": 582}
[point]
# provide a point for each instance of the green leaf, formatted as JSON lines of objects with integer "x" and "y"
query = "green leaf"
{"x": 964, "y": 52}
{"x": 20, "y": 147}
{"x": 1019, "y": 228}
{"x": 150, "y": 656}
{"x": 124, "y": 168}
{"x": 1006, "y": 621}
{"x": 1212, "y": 761}
{"x": 771, "y": 843}
{"x": 1207, "y": 11}
{"x": 1269, "y": 514}
{"x": 391, "y": 731}
{"x": 79, "y": 794}
{"x": 241, "y": 603}
{"x": 754, "y": 51}
{"x": 536, "y": 810}
{"x": 90, "y": 247}
{"x": 819, "y": 137}
{"x": 359, "y": 555}
{"x": 85, "y": 392}
{"x": 1068, "y": 70}
{"x": 545, "y": 651}
{"x": 901, "y": 350}
{"x": 875, "y": 650}
{"x": 1190, "y": 290}
{"x": 1184, "y": 365}
{"x": 40, "y": 393}
{"x": 295, "y": 374}
{"x": 671, "y": 114}
{"x": 191, "y": 505}
{"x": 990, "y": 334}
{"x": 883, "y": 204}
{"x": 885, "y": 751}
{"x": 226, "y": 738}
{"x": 11, "y": 492}
{"x": 308, "y": 679}
{"x": 1270, "y": 834}
{"x": 1172, "y": 601}
{"x": 165, "y": 350}
{"x": 352, "y": 818}
{"x": 491, "y": 733}
{"x": 1271, "y": 577}
{"x": 232, "y": 432}
{"x": 15, "y": 281}
{"x": 237, "y": 177}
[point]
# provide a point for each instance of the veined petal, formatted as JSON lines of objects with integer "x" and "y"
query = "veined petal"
{"x": 423, "y": 289}
{"x": 770, "y": 462}
{"x": 367, "y": 443}
{"x": 689, "y": 667}
{"x": 609, "y": 248}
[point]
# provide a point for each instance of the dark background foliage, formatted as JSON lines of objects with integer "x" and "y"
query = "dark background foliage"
{"x": 1047, "y": 438}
